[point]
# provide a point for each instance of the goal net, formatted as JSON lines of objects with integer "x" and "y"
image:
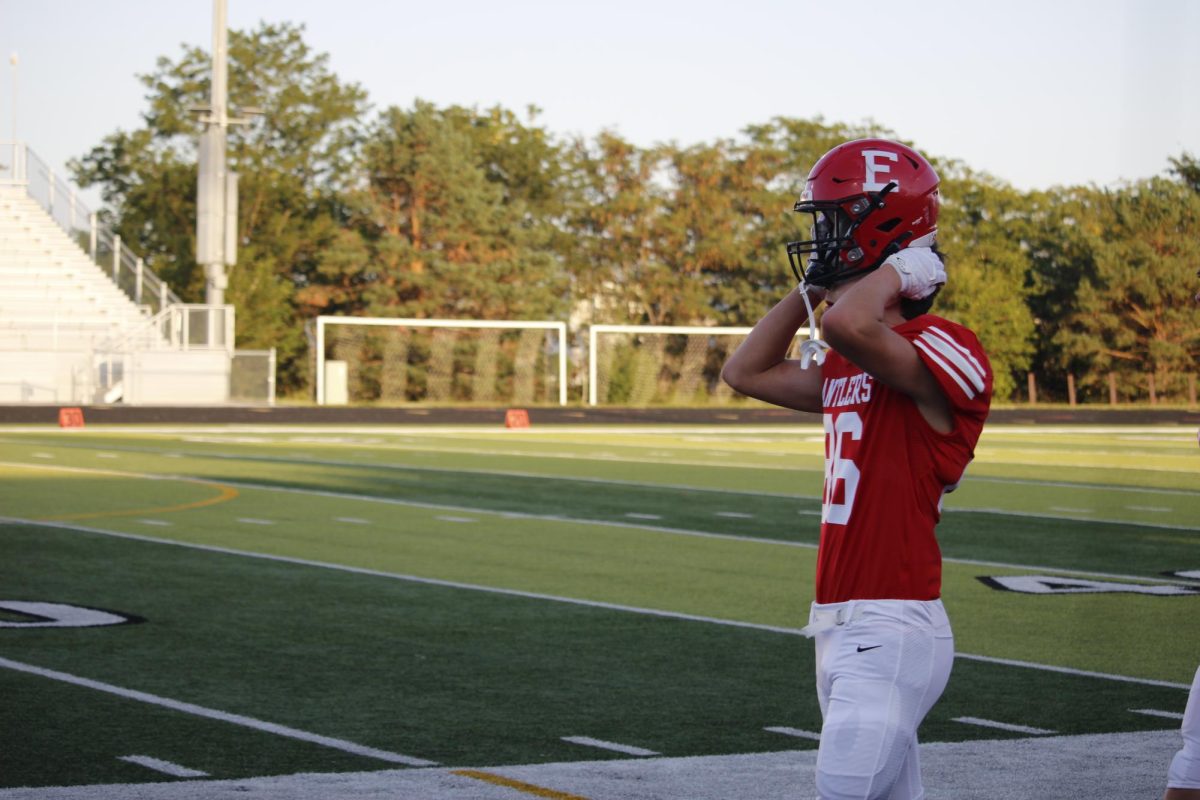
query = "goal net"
{"x": 393, "y": 361}
{"x": 641, "y": 365}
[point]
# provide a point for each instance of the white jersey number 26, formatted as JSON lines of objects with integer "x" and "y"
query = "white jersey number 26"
{"x": 840, "y": 470}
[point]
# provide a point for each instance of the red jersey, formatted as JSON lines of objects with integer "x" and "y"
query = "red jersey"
{"x": 886, "y": 469}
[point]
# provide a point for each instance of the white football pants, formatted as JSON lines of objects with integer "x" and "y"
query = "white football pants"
{"x": 881, "y": 665}
{"x": 1185, "y": 766}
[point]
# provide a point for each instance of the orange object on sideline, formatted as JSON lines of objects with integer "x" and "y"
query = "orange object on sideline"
{"x": 70, "y": 418}
{"x": 516, "y": 418}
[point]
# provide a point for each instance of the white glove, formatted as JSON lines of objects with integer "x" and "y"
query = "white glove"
{"x": 920, "y": 271}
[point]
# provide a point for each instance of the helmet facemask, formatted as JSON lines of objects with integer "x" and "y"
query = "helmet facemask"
{"x": 833, "y": 253}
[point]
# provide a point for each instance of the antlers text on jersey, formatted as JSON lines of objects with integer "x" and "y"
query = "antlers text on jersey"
{"x": 848, "y": 391}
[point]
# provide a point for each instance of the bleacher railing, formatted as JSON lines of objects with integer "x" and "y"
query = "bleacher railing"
{"x": 20, "y": 166}
{"x": 182, "y": 326}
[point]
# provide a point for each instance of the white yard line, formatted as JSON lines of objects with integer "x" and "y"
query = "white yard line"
{"x": 1004, "y": 512}
{"x": 222, "y": 716}
{"x": 799, "y": 734}
{"x": 1153, "y": 712}
{"x": 1101, "y": 487}
{"x": 165, "y": 767}
{"x": 1003, "y": 726}
{"x": 549, "y": 597}
{"x": 627, "y": 749}
{"x": 1083, "y": 673}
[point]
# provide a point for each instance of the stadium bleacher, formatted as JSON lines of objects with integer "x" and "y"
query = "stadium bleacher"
{"x": 73, "y": 332}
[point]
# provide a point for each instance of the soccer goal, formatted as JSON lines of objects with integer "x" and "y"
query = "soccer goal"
{"x": 394, "y": 360}
{"x": 640, "y": 365}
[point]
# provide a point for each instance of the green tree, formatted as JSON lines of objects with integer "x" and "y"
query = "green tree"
{"x": 692, "y": 235}
{"x": 1063, "y": 224}
{"x": 1187, "y": 168}
{"x": 981, "y": 229}
{"x": 293, "y": 165}
{"x": 614, "y": 212}
{"x": 1134, "y": 314}
{"x": 449, "y": 220}
{"x": 723, "y": 230}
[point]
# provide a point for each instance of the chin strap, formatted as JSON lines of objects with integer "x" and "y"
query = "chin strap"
{"x": 812, "y": 349}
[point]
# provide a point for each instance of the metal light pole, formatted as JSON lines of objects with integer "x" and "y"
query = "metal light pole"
{"x": 216, "y": 189}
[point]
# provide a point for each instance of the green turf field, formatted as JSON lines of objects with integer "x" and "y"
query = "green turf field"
{"x": 317, "y": 599}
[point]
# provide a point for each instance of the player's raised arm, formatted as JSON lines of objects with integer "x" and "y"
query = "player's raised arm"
{"x": 760, "y": 367}
{"x": 859, "y": 324}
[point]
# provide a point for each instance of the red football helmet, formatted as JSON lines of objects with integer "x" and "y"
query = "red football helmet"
{"x": 869, "y": 198}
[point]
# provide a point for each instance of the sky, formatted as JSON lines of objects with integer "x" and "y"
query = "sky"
{"x": 1037, "y": 93}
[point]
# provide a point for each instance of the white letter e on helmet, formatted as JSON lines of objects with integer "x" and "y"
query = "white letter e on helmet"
{"x": 871, "y": 182}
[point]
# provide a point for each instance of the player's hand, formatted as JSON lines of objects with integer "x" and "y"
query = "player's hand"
{"x": 920, "y": 271}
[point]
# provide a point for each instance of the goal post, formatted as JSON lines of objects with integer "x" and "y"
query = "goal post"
{"x": 641, "y": 365}
{"x": 397, "y": 359}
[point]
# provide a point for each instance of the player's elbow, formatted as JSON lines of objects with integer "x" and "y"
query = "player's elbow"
{"x": 734, "y": 375}
{"x": 742, "y": 374}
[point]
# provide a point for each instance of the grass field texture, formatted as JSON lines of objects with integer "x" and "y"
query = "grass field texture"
{"x": 358, "y": 598}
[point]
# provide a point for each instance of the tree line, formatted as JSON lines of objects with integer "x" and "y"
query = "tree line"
{"x": 463, "y": 213}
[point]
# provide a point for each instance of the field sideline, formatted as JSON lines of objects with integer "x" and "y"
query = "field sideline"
{"x": 278, "y": 600}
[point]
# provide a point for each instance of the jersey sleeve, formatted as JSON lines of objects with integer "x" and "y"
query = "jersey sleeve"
{"x": 957, "y": 361}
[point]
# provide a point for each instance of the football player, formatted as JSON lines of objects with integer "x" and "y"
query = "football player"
{"x": 903, "y": 395}
{"x": 1183, "y": 776}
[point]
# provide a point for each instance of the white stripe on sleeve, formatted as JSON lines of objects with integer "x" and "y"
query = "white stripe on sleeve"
{"x": 950, "y": 352}
{"x": 949, "y": 370}
{"x": 979, "y": 370}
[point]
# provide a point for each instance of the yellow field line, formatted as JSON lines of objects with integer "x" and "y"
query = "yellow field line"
{"x": 528, "y": 788}
{"x": 224, "y": 493}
